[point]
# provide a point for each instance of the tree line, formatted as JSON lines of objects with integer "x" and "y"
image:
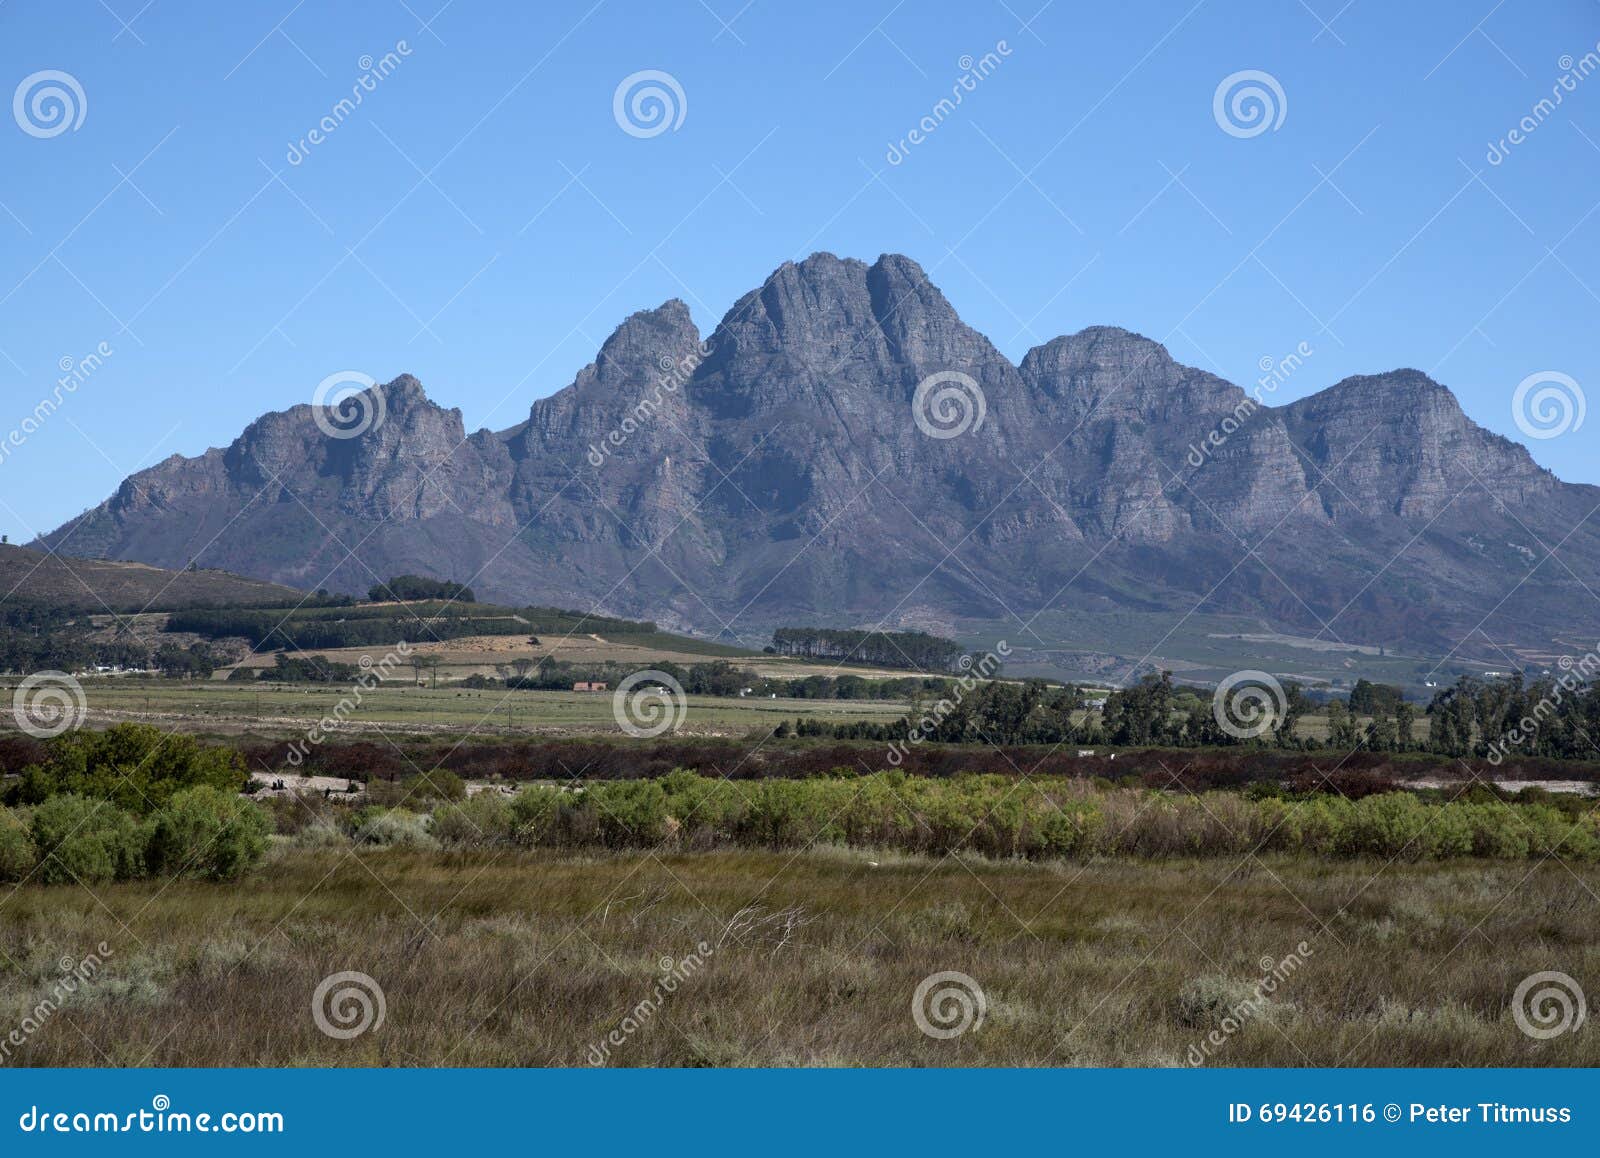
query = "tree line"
{"x": 407, "y": 587}
{"x": 35, "y": 637}
{"x": 916, "y": 650}
{"x": 1554, "y": 716}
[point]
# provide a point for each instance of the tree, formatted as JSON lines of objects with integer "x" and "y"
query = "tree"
{"x": 908, "y": 649}
{"x": 1343, "y": 731}
{"x": 1141, "y": 714}
{"x": 1405, "y": 718}
{"x": 1370, "y": 699}
{"x": 135, "y": 766}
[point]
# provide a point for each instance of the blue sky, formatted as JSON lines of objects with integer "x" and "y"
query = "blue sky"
{"x": 483, "y": 221}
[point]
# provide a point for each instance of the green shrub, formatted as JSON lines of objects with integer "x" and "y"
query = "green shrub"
{"x": 208, "y": 833}
{"x": 17, "y": 854}
{"x": 481, "y": 821}
{"x": 535, "y": 812}
{"x": 135, "y": 766}
{"x": 86, "y": 841}
{"x": 628, "y": 812}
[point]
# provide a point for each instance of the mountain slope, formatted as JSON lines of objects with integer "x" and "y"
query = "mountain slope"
{"x": 774, "y": 471}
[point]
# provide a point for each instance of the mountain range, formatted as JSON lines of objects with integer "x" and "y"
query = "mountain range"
{"x": 842, "y": 449}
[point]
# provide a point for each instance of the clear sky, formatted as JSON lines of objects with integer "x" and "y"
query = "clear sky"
{"x": 483, "y": 220}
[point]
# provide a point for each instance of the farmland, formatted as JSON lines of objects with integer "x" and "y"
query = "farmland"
{"x": 222, "y": 708}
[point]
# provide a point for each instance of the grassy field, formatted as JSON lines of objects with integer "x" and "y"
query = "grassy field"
{"x": 805, "y": 959}
{"x": 223, "y": 707}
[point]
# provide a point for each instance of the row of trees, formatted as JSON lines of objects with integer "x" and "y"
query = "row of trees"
{"x": 272, "y": 631}
{"x": 1556, "y": 716}
{"x": 406, "y": 587}
{"x": 1550, "y": 717}
{"x": 916, "y": 650}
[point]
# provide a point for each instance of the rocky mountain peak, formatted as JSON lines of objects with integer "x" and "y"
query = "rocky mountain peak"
{"x": 781, "y": 471}
{"x": 643, "y": 339}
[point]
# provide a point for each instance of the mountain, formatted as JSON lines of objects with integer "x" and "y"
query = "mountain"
{"x": 775, "y": 472}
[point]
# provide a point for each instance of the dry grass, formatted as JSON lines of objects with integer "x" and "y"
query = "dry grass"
{"x": 531, "y": 958}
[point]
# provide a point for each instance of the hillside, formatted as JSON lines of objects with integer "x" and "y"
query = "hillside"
{"x": 98, "y": 585}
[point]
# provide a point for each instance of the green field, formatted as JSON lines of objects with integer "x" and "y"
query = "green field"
{"x": 266, "y": 708}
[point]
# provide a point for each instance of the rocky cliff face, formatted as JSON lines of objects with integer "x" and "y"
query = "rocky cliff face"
{"x": 776, "y": 470}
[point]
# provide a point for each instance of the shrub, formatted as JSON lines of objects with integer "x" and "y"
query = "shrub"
{"x": 481, "y": 821}
{"x": 440, "y": 784}
{"x": 17, "y": 855}
{"x": 208, "y": 833}
{"x": 86, "y": 841}
{"x": 321, "y": 834}
{"x": 628, "y": 812}
{"x": 392, "y": 828}
{"x": 135, "y": 766}
{"x": 535, "y": 812}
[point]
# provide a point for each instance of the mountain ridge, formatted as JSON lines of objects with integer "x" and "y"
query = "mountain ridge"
{"x": 774, "y": 470}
